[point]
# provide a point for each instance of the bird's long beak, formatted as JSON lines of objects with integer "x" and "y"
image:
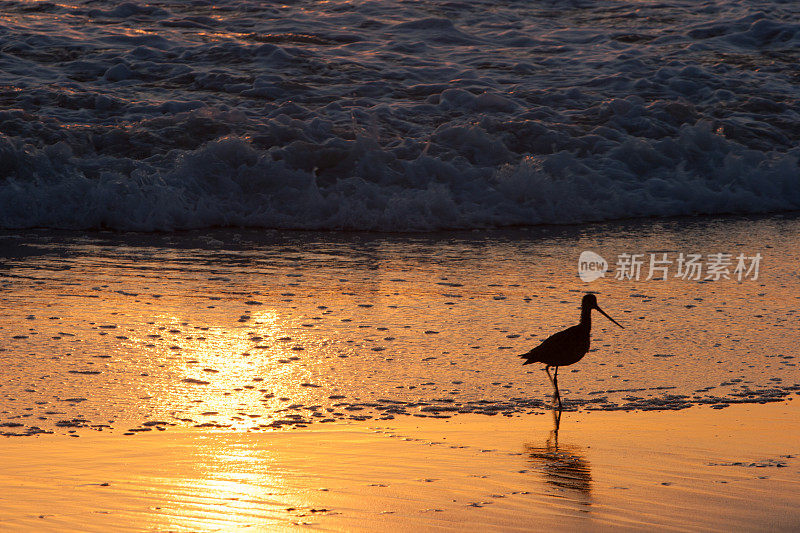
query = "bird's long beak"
{"x": 608, "y": 317}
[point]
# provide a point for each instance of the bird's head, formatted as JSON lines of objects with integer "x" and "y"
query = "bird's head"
{"x": 590, "y": 302}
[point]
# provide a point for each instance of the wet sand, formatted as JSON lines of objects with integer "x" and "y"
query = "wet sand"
{"x": 694, "y": 470}
{"x": 217, "y": 380}
{"x": 258, "y": 330}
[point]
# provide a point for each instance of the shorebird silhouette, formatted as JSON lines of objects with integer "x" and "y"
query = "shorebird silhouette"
{"x": 566, "y": 347}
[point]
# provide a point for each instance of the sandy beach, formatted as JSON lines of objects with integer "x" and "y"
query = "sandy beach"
{"x": 696, "y": 470}
{"x": 224, "y": 380}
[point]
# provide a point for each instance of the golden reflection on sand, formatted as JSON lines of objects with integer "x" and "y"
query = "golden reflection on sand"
{"x": 641, "y": 471}
{"x": 224, "y": 478}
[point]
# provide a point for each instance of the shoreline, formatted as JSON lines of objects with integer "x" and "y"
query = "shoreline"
{"x": 427, "y": 410}
{"x": 518, "y": 230}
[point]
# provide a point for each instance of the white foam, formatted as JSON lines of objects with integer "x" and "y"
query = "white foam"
{"x": 387, "y": 117}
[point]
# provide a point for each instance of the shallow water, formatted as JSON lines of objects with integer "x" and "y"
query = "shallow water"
{"x": 394, "y": 116}
{"x": 248, "y": 329}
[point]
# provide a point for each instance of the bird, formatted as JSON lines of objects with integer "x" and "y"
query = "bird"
{"x": 566, "y": 347}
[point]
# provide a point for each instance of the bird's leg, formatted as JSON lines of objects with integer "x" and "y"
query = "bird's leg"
{"x": 554, "y": 383}
{"x": 555, "y": 386}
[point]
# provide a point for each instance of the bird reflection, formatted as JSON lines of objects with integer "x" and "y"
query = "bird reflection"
{"x": 563, "y": 466}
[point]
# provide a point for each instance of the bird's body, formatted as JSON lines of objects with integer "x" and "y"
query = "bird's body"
{"x": 569, "y": 346}
{"x": 561, "y": 349}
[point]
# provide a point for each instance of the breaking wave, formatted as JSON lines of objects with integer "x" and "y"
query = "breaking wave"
{"x": 394, "y": 119}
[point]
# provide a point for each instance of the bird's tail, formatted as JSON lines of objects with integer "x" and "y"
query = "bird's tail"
{"x": 529, "y": 358}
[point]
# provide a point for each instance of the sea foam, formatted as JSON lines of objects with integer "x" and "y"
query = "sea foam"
{"x": 392, "y": 118}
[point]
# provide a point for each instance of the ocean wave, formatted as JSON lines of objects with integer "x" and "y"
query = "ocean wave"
{"x": 388, "y": 119}
{"x": 228, "y": 182}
